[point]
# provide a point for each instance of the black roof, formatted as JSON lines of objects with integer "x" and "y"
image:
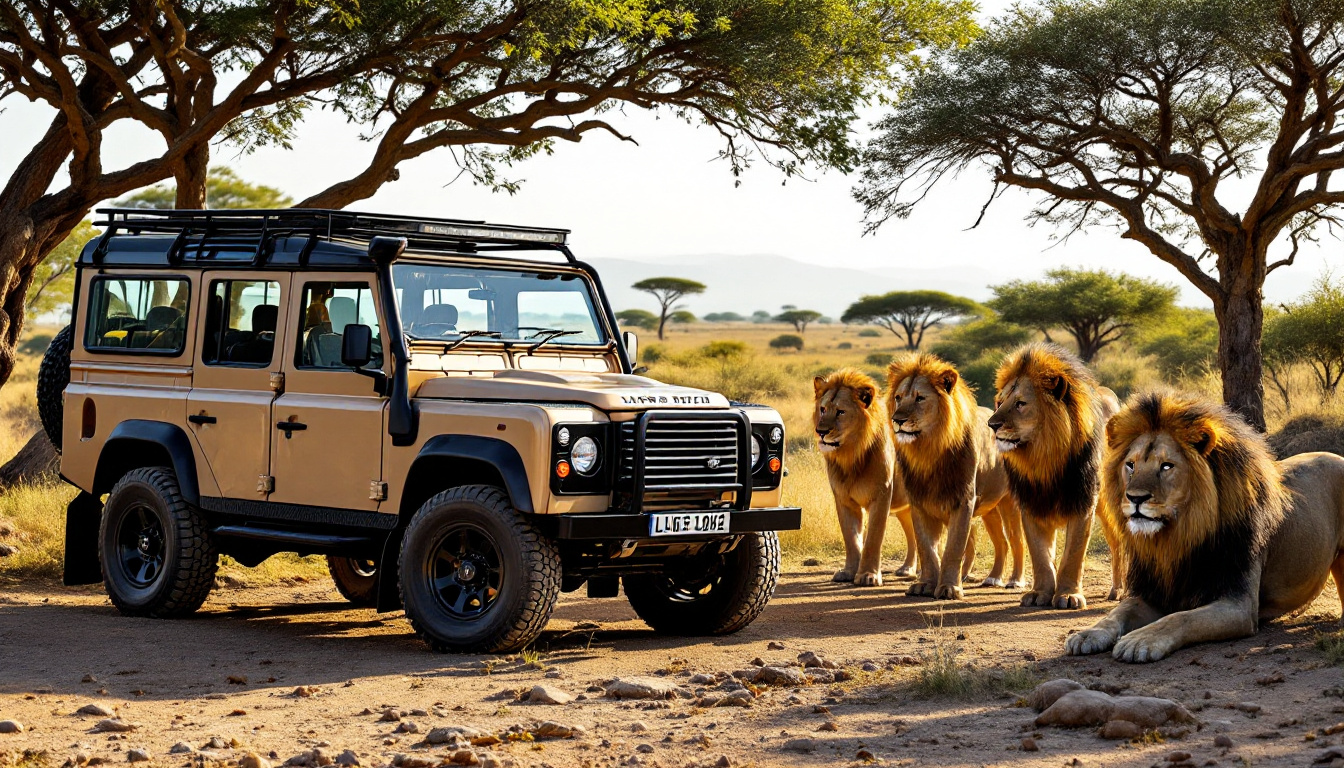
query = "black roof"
{"x": 297, "y": 238}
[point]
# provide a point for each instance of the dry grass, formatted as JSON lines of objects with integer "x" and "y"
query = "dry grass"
{"x": 944, "y": 675}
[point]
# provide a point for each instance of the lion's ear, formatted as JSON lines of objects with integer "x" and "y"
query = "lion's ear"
{"x": 1057, "y": 386}
{"x": 1202, "y": 436}
{"x": 818, "y": 384}
{"x": 865, "y": 395}
{"x": 947, "y": 379}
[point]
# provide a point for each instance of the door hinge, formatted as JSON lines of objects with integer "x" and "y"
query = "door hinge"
{"x": 265, "y": 483}
{"x": 278, "y": 382}
{"x": 378, "y": 490}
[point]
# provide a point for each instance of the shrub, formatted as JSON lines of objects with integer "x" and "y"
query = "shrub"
{"x": 1183, "y": 344}
{"x": 723, "y": 349}
{"x": 971, "y": 341}
{"x": 979, "y": 376}
{"x": 652, "y": 353}
{"x": 844, "y": 345}
{"x": 724, "y": 317}
{"x": 878, "y": 359}
{"x": 787, "y": 341}
{"x": 870, "y": 333}
{"x": 638, "y": 318}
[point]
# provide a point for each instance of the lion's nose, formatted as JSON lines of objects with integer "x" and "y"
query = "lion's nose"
{"x": 898, "y": 420}
{"x": 994, "y": 424}
{"x": 823, "y": 432}
{"x": 1138, "y": 498}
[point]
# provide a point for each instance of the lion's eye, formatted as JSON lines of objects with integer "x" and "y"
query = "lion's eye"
{"x": 1129, "y": 466}
{"x": 823, "y": 409}
{"x": 1167, "y": 465}
{"x": 919, "y": 398}
{"x": 1020, "y": 404}
{"x": 839, "y": 413}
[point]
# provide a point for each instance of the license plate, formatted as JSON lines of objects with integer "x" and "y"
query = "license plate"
{"x": 687, "y": 523}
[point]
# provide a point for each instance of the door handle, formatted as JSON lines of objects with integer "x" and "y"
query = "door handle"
{"x": 201, "y": 418}
{"x": 290, "y": 427}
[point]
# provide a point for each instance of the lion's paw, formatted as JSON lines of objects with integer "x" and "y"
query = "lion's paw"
{"x": 1114, "y": 594}
{"x": 967, "y": 578}
{"x": 1142, "y": 646}
{"x": 906, "y": 571}
{"x": 992, "y": 581}
{"x": 1037, "y": 598}
{"x": 1015, "y": 584}
{"x": 948, "y": 592}
{"x": 921, "y": 589}
{"x": 842, "y": 576}
{"x": 868, "y": 579}
{"x": 1070, "y": 601}
{"x": 1089, "y": 641}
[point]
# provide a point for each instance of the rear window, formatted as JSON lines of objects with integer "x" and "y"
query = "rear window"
{"x": 138, "y": 315}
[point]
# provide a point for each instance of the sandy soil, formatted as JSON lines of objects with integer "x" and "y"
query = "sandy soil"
{"x": 232, "y": 672}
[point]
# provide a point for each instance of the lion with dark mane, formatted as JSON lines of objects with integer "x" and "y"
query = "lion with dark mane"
{"x": 1217, "y": 536}
{"x": 1049, "y": 421}
{"x": 952, "y": 474}
{"x": 851, "y": 424}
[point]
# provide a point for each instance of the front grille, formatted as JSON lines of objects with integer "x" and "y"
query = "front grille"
{"x": 685, "y": 457}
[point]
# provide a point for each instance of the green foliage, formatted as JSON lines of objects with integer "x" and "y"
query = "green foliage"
{"x": 910, "y": 312}
{"x": 724, "y": 349}
{"x": 637, "y": 318}
{"x": 1096, "y": 307}
{"x": 798, "y": 318}
{"x": 724, "y": 317}
{"x": 668, "y": 291}
{"x": 1310, "y": 331}
{"x": 760, "y": 316}
{"x": 970, "y": 341}
{"x": 844, "y": 345}
{"x": 1184, "y": 344}
{"x": 681, "y": 317}
{"x": 652, "y": 353}
{"x": 870, "y": 333}
{"x": 727, "y": 367}
{"x": 787, "y": 341}
{"x": 878, "y": 359}
{"x": 223, "y": 189}
{"x": 979, "y": 375}
{"x": 53, "y": 284}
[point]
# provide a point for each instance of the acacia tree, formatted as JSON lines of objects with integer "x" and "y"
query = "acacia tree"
{"x": 1096, "y": 307}
{"x": 224, "y": 188}
{"x": 798, "y": 318}
{"x": 668, "y": 291}
{"x": 1310, "y": 331}
{"x": 1137, "y": 113}
{"x": 910, "y": 312}
{"x": 496, "y": 81}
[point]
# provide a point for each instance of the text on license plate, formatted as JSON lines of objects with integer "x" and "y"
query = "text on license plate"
{"x": 683, "y": 523}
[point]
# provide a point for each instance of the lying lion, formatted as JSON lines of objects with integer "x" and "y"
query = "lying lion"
{"x": 952, "y": 474}
{"x": 1217, "y": 535}
{"x": 851, "y": 425}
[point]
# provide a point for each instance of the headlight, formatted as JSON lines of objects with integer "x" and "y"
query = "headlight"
{"x": 755, "y": 451}
{"x": 584, "y": 455}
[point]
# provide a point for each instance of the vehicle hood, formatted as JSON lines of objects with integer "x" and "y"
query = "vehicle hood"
{"x": 606, "y": 391}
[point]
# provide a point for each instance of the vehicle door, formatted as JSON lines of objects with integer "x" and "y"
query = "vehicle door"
{"x": 326, "y": 442}
{"x": 229, "y": 407}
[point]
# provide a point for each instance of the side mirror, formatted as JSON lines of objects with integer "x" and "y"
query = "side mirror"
{"x": 357, "y": 345}
{"x": 631, "y": 342}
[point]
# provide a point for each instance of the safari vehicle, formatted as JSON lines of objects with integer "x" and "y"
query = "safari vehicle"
{"x": 445, "y": 409}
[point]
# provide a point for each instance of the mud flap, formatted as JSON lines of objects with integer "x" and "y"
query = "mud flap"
{"x": 82, "y": 518}
{"x": 389, "y": 597}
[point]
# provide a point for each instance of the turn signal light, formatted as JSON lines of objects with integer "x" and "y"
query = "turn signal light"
{"x": 562, "y": 470}
{"x": 775, "y": 465}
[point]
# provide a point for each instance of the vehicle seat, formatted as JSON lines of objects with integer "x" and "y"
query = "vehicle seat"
{"x": 341, "y": 310}
{"x": 437, "y": 319}
{"x": 163, "y": 329}
{"x": 259, "y": 348}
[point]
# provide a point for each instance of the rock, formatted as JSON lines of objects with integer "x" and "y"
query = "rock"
{"x": 1222, "y": 740}
{"x": 1178, "y": 757}
{"x": 488, "y": 760}
{"x": 113, "y": 725}
{"x": 553, "y": 730}
{"x": 645, "y": 749}
{"x": 864, "y": 756}
{"x": 413, "y": 761}
{"x": 821, "y": 676}
{"x": 463, "y": 757}
{"x": 306, "y": 691}
{"x": 757, "y": 662}
{"x": 182, "y": 748}
{"x": 1083, "y": 708}
{"x": 811, "y": 562}
{"x": 450, "y": 734}
{"x": 1116, "y": 730}
{"x": 723, "y": 762}
{"x": 642, "y": 688}
{"x": 96, "y": 710}
{"x": 11, "y": 726}
{"x": 137, "y": 756}
{"x": 250, "y": 760}
{"x": 800, "y": 745}
{"x": 418, "y": 713}
{"x": 1048, "y": 693}
{"x": 702, "y": 679}
{"x": 1249, "y": 707}
{"x": 1273, "y": 679}
{"x": 749, "y": 674}
{"x": 548, "y": 694}
{"x": 216, "y": 742}
{"x": 321, "y": 757}
{"x": 829, "y": 725}
{"x": 774, "y": 645}
{"x": 554, "y": 674}
{"x": 639, "y": 726}
{"x": 810, "y": 659}
{"x": 1029, "y": 745}
{"x": 406, "y": 726}
{"x": 88, "y": 679}
{"x": 869, "y": 666}
{"x": 7, "y": 550}
{"x": 781, "y": 676}
{"x": 346, "y": 758}
{"x": 390, "y": 716}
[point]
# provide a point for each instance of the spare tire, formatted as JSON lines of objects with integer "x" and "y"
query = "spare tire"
{"x": 52, "y": 378}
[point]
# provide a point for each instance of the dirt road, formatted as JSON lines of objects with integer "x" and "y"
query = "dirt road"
{"x": 233, "y": 671}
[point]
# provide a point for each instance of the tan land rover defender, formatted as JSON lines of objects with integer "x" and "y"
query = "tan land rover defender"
{"x": 445, "y": 409}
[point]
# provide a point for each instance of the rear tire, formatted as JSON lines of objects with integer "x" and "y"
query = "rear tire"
{"x": 52, "y": 378}
{"x": 158, "y": 559}
{"x": 476, "y": 577}
{"x": 709, "y": 594}
{"x": 356, "y": 579}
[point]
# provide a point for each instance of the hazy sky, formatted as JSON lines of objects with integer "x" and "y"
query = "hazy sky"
{"x": 669, "y": 197}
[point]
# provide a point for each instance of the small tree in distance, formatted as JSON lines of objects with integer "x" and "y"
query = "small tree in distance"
{"x": 668, "y": 291}
{"x": 223, "y": 189}
{"x": 1096, "y": 307}
{"x": 638, "y": 318}
{"x": 798, "y": 318}
{"x": 682, "y": 317}
{"x": 910, "y": 312}
{"x": 1311, "y": 331}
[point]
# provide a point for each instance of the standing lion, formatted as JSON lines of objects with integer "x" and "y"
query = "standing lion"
{"x": 851, "y": 425}
{"x": 1217, "y": 535}
{"x": 1049, "y": 423}
{"x": 952, "y": 474}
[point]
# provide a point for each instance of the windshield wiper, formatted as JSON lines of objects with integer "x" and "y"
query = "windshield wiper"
{"x": 550, "y": 335}
{"x": 467, "y": 336}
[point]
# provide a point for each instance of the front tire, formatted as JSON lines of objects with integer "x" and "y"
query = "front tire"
{"x": 476, "y": 577}
{"x": 356, "y": 579}
{"x": 710, "y": 594}
{"x": 158, "y": 559}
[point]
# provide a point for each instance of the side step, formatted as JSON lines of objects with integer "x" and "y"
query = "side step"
{"x": 297, "y": 540}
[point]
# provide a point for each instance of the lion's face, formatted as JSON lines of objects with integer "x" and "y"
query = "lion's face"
{"x": 841, "y": 415}
{"x": 1157, "y": 480}
{"x": 918, "y": 406}
{"x": 1017, "y": 414}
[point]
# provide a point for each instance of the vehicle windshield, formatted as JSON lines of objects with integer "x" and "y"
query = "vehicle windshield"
{"x": 447, "y": 303}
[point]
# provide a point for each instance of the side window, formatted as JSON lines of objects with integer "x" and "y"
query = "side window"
{"x": 137, "y": 315}
{"x": 240, "y": 322}
{"x": 328, "y": 309}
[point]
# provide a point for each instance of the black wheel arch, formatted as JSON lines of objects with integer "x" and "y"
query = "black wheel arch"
{"x": 137, "y": 443}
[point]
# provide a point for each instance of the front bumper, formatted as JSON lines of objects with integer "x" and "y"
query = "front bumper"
{"x": 636, "y": 526}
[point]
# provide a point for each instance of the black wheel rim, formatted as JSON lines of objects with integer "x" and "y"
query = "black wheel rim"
{"x": 363, "y": 568}
{"x": 689, "y": 585}
{"x": 465, "y": 572}
{"x": 140, "y": 546}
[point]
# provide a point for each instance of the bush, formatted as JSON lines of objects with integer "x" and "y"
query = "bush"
{"x": 722, "y": 350}
{"x": 844, "y": 345}
{"x": 870, "y": 333}
{"x": 979, "y": 376}
{"x": 724, "y": 317}
{"x": 638, "y": 318}
{"x": 879, "y": 359}
{"x": 787, "y": 341}
{"x": 970, "y": 341}
{"x": 652, "y": 353}
{"x": 1184, "y": 343}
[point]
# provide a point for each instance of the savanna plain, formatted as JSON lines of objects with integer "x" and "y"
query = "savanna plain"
{"x": 278, "y": 669}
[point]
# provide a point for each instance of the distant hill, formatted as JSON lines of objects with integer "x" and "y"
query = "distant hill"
{"x": 746, "y": 283}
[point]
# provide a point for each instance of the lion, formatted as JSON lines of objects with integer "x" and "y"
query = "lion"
{"x": 851, "y": 425}
{"x": 1049, "y": 420}
{"x": 1217, "y": 535}
{"x": 952, "y": 474}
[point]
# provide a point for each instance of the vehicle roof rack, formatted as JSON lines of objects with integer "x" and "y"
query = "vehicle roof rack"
{"x": 199, "y": 234}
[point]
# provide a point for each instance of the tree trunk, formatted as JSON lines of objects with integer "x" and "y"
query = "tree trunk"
{"x": 37, "y": 460}
{"x": 191, "y": 178}
{"x": 1241, "y": 319}
{"x": 662, "y": 321}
